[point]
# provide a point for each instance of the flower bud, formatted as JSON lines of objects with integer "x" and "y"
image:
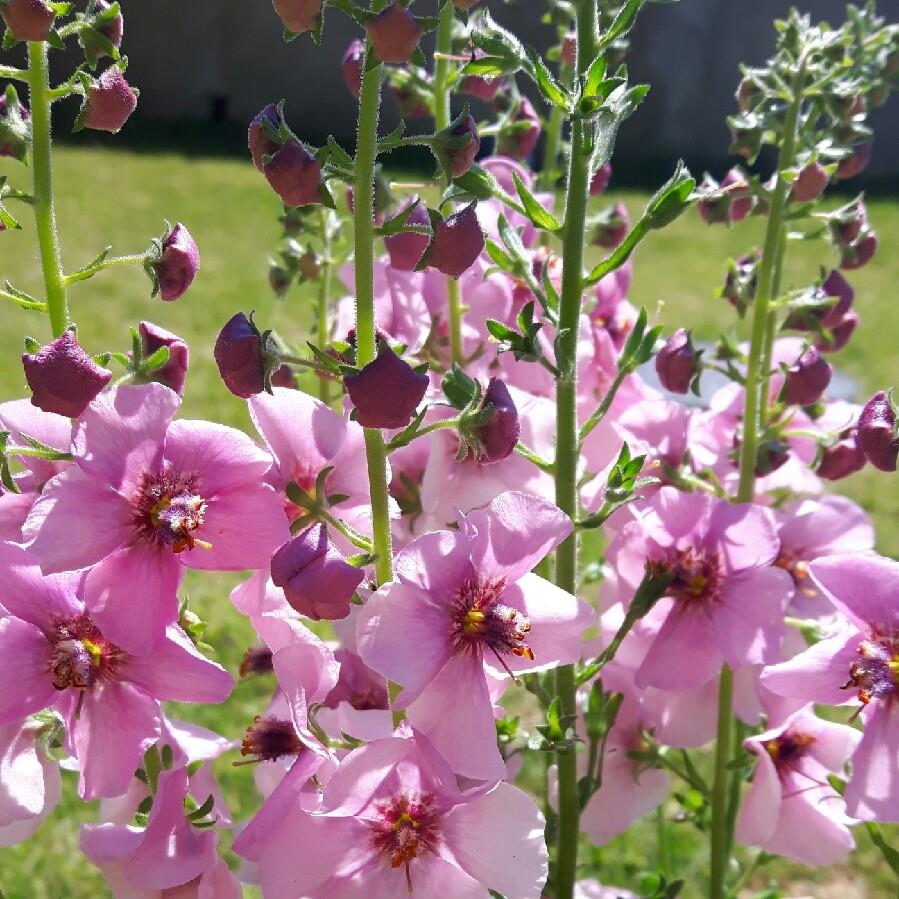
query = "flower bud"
{"x": 876, "y": 432}
{"x": 520, "y": 137}
{"x": 109, "y": 103}
{"x": 855, "y": 163}
{"x": 569, "y": 50}
{"x": 63, "y": 378}
{"x": 807, "y": 378}
{"x": 835, "y": 285}
{"x": 294, "y": 175}
{"x": 103, "y": 28}
{"x": 405, "y": 250}
{"x": 741, "y": 203}
{"x": 317, "y": 581}
{"x": 279, "y": 279}
{"x": 613, "y": 228}
{"x": 728, "y": 202}
{"x": 15, "y": 125}
{"x": 810, "y": 183}
{"x": 258, "y": 140}
{"x": 677, "y": 363}
{"x": 458, "y": 160}
{"x": 413, "y": 104}
{"x": 600, "y": 180}
{"x": 741, "y": 281}
{"x": 498, "y": 436}
{"x": 28, "y": 20}
{"x": 394, "y": 34}
{"x": 387, "y": 391}
{"x": 748, "y": 93}
{"x": 351, "y": 66}
{"x": 174, "y": 372}
{"x": 284, "y": 377}
{"x": 173, "y": 263}
{"x": 481, "y": 86}
{"x": 842, "y": 459}
{"x": 457, "y": 242}
{"x": 860, "y": 253}
{"x": 299, "y": 16}
{"x": 245, "y": 357}
{"x": 840, "y": 334}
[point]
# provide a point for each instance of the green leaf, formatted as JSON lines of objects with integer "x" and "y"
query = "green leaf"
{"x": 458, "y": 387}
{"x": 557, "y": 95}
{"x": 621, "y": 25}
{"x": 540, "y": 217}
{"x": 672, "y": 198}
{"x": 339, "y": 154}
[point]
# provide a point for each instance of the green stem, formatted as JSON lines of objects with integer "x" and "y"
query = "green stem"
{"x": 567, "y": 436}
{"x": 719, "y": 836}
{"x": 551, "y": 150}
{"x": 366, "y": 348}
{"x": 20, "y": 301}
{"x": 42, "y": 167}
{"x": 664, "y": 839}
{"x": 13, "y": 74}
{"x": 736, "y": 784}
{"x": 771, "y": 332}
{"x": 133, "y": 259}
{"x": 324, "y": 298}
{"x": 605, "y": 404}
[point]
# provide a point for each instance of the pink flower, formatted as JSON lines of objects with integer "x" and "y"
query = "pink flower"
{"x": 55, "y": 653}
{"x": 863, "y": 657}
{"x": 593, "y": 889}
{"x": 146, "y": 497}
{"x": 791, "y": 809}
{"x": 724, "y": 603}
{"x": 392, "y": 820}
{"x": 465, "y": 600}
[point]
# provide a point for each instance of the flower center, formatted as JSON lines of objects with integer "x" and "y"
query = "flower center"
{"x": 697, "y": 575}
{"x": 798, "y": 570}
{"x": 404, "y": 829}
{"x": 80, "y": 655}
{"x": 267, "y": 739}
{"x": 168, "y": 509}
{"x": 875, "y": 673}
{"x": 788, "y": 748}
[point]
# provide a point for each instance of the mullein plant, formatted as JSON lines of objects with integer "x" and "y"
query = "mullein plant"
{"x": 480, "y": 408}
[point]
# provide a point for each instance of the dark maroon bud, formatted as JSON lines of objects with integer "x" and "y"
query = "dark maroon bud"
{"x": 855, "y": 163}
{"x": 394, "y": 34}
{"x": 284, "y": 377}
{"x": 174, "y": 263}
{"x": 498, "y": 437}
{"x": 386, "y": 392}
{"x": 268, "y": 739}
{"x": 28, "y": 20}
{"x": 351, "y": 66}
{"x": 810, "y": 183}
{"x": 840, "y": 334}
{"x": 256, "y": 660}
{"x": 299, "y": 16}
{"x": 677, "y": 363}
{"x": 860, "y": 253}
{"x": 848, "y": 223}
{"x": 63, "y": 378}
{"x": 600, "y": 180}
{"x": 317, "y": 581}
{"x": 569, "y": 50}
{"x": 405, "y": 250}
{"x": 174, "y": 372}
{"x": 459, "y": 159}
{"x": 412, "y": 103}
{"x": 520, "y": 138}
{"x": 457, "y": 242}
{"x": 109, "y": 103}
{"x": 741, "y": 281}
{"x": 807, "y": 378}
{"x": 245, "y": 357}
{"x": 876, "y": 432}
{"x": 464, "y": 5}
{"x": 294, "y": 175}
{"x": 835, "y": 285}
{"x": 15, "y": 125}
{"x": 258, "y": 140}
{"x": 772, "y": 454}
{"x": 842, "y": 459}
{"x": 613, "y": 228}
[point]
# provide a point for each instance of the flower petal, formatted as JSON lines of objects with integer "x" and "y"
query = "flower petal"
{"x": 24, "y": 670}
{"x": 873, "y": 790}
{"x": 436, "y": 563}
{"x": 761, "y": 806}
{"x": 745, "y": 535}
{"x": 864, "y": 586}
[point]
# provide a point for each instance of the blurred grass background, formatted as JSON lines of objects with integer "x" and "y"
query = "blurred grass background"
{"x": 121, "y": 198}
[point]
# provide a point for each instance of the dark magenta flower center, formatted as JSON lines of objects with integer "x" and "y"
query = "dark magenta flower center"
{"x": 80, "y": 655}
{"x": 697, "y": 575}
{"x": 875, "y": 673}
{"x": 168, "y": 509}
{"x": 788, "y": 748}
{"x": 404, "y": 829}
{"x": 268, "y": 739}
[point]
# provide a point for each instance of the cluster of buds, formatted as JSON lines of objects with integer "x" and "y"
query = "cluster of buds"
{"x": 826, "y": 309}
{"x": 852, "y": 236}
{"x": 728, "y": 202}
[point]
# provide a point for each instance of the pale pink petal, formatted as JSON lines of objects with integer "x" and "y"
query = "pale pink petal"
{"x": 222, "y": 457}
{"x": 307, "y": 666}
{"x": 833, "y": 524}
{"x": 498, "y": 840}
{"x": 873, "y": 790}
{"x": 864, "y": 586}
{"x": 23, "y": 417}
{"x": 32, "y": 596}
{"x": 744, "y": 534}
{"x": 430, "y": 875}
{"x": 761, "y": 805}
{"x": 219, "y": 883}
{"x": 132, "y": 596}
{"x": 14, "y": 509}
{"x": 122, "y": 432}
{"x": 685, "y": 719}
{"x": 117, "y": 724}
{"x": 672, "y": 515}
{"x": 29, "y": 782}
{"x": 436, "y": 563}
{"x": 24, "y": 670}
{"x": 74, "y": 503}
{"x": 258, "y": 595}
{"x": 245, "y": 525}
{"x": 811, "y": 828}
{"x": 684, "y": 653}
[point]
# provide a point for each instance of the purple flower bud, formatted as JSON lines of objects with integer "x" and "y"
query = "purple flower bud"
{"x": 855, "y": 163}
{"x": 807, "y": 378}
{"x": 174, "y": 372}
{"x": 351, "y": 66}
{"x": 244, "y": 357}
{"x": 728, "y": 201}
{"x": 840, "y": 334}
{"x": 176, "y": 265}
{"x": 394, "y": 34}
{"x": 15, "y": 125}
{"x": 405, "y": 250}
{"x": 860, "y": 253}
{"x": 109, "y": 103}
{"x": 849, "y": 223}
{"x": 63, "y": 378}
{"x": 835, "y": 285}
{"x": 317, "y": 581}
{"x": 842, "y": 459}
{"x": 259, "y": 142}
{"x": 386, "y": 392}
{"x": 459, "y": 159}
{"x": 294, "y": 175}
{"x": 569, "y": 50}
{"x": 110, "y": 29}
{"x": 810, "y": 183}
{"x": 520, "y": 138}
{"x": 677, "y": 363}
{"x": 600, "y": 180}
{"x": 457, "y": 242}
{"x": 741, "y": 203}
{"x": 28, "y": 20}
{"x": 498, "y": 436}
{"x": 412, "y": 103}
{"x": 299, "y": 16}
{"x": 876, "y": 432}
{"x": 114, "y": 29}
{"x": 612, "y": 229}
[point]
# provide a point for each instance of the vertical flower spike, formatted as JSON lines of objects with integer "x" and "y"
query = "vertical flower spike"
{"x": 457, "y": 242}
{"x": 394, "y": 34}
{"x": 63, "y": 378}
{"x": 876, "y": 432}
{"x": 807, "y": 378}
{"x": 174, "y": 263}
{"x": 109, "y": 103}
{"x": 174, "y": 372}
{"x": 299, "y": 16}
{"x": 351, "y": 66}
{"x": 677, "y": 363}
{"x": 28, "y": 20}
{"x": 386, "y": 392}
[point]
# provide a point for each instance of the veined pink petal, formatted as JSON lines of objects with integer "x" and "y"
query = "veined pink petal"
{"x": 24, "y": 670}
{"x": 873, "y": 790}
{"x": 29, "y": 782}
{"x": 864, "y": 586}
{"x": 745, "y": 534}
{"x": 436, "y": 563}
{"x": 431, "y": 876}
{"x": 761, "y": 805}
{"x": 32, "y": 596}
{"x": 812, "y": 828}
{"x": 684, "y": 653}
{"x": 22, "y": 417}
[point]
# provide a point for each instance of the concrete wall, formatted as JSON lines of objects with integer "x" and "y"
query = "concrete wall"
{"x": 184, "y": 55}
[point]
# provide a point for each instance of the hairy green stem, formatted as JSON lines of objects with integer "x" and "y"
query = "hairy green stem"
{"x": 568, "y": 438}
{"x": 42, "y": 168}
{"x": 720, "y": 839}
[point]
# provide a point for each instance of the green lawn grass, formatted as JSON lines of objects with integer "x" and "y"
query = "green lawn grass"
{"x": 122, "y": 198}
